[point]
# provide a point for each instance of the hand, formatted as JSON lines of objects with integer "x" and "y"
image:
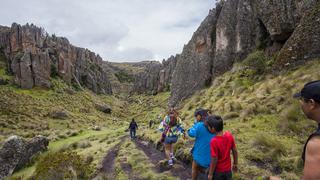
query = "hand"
{"x": 235, "y": 168}
{"x": 210, "y": 177}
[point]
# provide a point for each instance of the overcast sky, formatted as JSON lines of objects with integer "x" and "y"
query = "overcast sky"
{"x": 118, "y": 30}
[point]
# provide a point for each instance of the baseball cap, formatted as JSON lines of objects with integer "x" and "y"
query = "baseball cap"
{"x": 311, "y": 90}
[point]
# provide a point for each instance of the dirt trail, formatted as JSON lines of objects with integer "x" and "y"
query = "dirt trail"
{"x": 179, "y": 169}
{"x": 108, "y": 162}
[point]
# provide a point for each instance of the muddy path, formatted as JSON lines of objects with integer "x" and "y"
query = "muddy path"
{"x": 180, "y": 170}
{"x": 108, "y": 164}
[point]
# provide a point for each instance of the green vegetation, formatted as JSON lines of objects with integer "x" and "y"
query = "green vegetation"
{"x": 257, "y": 107}
{"x": 124, "y": 77}
{"x": 62, "y": 165}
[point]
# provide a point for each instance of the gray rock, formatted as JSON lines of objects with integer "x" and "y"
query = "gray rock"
{"x": 17, "y": 152}
{"x": 33, "y": 56}
{"x": 59, "y": 114}
{"x": 104, "y": 108}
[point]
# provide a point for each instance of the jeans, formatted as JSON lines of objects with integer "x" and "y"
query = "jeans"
{"x": 133, "y": 133}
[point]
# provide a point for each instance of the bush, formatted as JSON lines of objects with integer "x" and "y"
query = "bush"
{"x": 294, "y": 121}
{"x": 62, "y": 165}
{"x": 256, "y": 61}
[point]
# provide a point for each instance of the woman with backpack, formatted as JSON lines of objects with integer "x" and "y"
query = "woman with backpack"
{"x": 171, "y": 129}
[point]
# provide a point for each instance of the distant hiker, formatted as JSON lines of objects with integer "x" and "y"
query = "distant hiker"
{"x": 133, "y": 126}
{"x": 310, "y": 105}
{"x": 151, "y": 122}
{"x": 171, "y": 129}
{"x": 220, "y": 147}
{"x": 201, "y": 150}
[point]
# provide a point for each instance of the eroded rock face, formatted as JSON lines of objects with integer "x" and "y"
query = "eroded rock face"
{"x": 304, "y": 44}
{"x": 236, "y": 28}
{"x": 17, "y": 152}
{"x": 194, "y": 64}
{"x": 34, "y": 57}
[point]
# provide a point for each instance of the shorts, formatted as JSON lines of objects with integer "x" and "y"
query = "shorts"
{"x": 222, "y": 175}
{"x": 171, "y": 139}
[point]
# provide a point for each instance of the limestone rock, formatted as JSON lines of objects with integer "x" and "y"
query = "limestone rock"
{"x": 17, "y": 152}
{"x": 104, "y": 108}
{"x": 34, "y": 57}
{"x": 59, "y": 114}
{"x": 304, "y": 44}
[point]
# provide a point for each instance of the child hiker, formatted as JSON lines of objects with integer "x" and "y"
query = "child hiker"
{"x": 171, "y": 129}
{"x": 221, "y": 145}
{"x": 201, "y": 149}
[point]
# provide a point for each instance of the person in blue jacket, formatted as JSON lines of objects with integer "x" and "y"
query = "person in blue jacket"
{"x": 201, "y": 148}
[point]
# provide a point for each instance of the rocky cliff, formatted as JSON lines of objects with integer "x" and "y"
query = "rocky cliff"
{"x": 34, "y": 57}
{"x": 235, "y": 28}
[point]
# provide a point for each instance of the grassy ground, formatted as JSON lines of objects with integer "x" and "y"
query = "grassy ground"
{"x": 268, "y": 125}
{"x": 257, "y": 107}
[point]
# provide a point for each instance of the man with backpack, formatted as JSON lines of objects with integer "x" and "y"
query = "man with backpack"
{"x": 201, "y": 149}
{"x": 310, "y": 105}
{"x": 132, "y": 127}
{"x": 171, "y": 129}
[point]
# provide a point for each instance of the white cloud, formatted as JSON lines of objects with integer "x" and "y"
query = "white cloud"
{"x": 118, "y": 30}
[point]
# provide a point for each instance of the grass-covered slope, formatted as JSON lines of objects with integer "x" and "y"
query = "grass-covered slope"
{"x": 258, "y": 109}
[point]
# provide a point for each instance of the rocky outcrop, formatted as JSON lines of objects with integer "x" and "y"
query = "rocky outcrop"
{"x": 236, "y": 28}
{"x": 304, "y": 44}
{"x": 148, "y": 80}
{"x": 194, "y": 64}
{"x": 166, "y": 73}
{"x": 17, "y": 152}
{"x": 34, "y": 58}
{"x": 155, "y": 77}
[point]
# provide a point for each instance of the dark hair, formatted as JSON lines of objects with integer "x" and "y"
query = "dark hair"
{"x": 202, "y": 112}
{"x": 132, "y": 119}
{"x": 215, "y": 122}
{"x": 173, "y": 121}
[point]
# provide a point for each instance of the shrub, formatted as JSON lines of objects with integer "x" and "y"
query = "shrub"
{"x": 62, "y": 165}
{"x": 256, "y": 61}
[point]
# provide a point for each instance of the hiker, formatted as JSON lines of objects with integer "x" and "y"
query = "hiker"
{"x": 171, "y": 129}
{"x": 201, "y": 149}
{"x": 220, "y": 147}
{"x": 133, "y": 126}
{"x": 310, "y": 105}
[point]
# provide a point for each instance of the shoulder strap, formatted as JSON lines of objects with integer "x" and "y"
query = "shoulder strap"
{"x": 317, "y": 133}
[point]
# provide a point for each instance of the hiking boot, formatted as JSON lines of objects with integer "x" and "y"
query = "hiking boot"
{"x": 170, "y": 162}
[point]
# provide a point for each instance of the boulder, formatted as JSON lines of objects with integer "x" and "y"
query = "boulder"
{"x": 59, "y": 114}
{"x": 17, "y": 152}
{"x": 103, "y": 108}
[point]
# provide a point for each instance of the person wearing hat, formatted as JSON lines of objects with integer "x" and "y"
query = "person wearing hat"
{"x": 310, "y": 105}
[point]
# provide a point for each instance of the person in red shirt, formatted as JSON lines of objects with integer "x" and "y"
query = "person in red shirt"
{"x": 220, "y": 147}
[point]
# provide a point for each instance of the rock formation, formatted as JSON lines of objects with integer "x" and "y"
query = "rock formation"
{"x": 16, "y": 153}
{"x": 34, "y": 58}
{"x": 235, "y": 28}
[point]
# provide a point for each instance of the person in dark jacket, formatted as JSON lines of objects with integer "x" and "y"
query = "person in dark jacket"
{"x": 310, "y": 105}
{"x": 132, "y": 127}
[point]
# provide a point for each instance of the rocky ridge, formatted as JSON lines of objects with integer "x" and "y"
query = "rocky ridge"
{"x": 34, "y": 57}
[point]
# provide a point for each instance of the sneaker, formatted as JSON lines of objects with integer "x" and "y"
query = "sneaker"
{"x": 170, "y": 162}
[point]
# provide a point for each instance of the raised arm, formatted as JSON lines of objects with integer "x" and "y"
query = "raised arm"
{"x": 312, "y": 162}
{"x": 192, "y": 132}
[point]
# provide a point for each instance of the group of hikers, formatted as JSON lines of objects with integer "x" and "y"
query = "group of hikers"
{"x": 213, "y": 146}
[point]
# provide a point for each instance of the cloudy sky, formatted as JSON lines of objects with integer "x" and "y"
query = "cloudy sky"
{"x": 118, "y": 30}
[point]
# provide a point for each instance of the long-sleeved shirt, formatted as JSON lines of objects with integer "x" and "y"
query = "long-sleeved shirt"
{"x": 201, "y": 149}
{"x": 176, "y": 130}
{"x": 133, "y": 125}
